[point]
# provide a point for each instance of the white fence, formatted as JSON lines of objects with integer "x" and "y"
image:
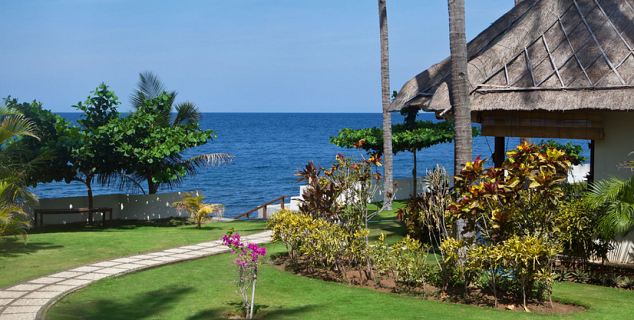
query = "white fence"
{"x": 124, "y": 207}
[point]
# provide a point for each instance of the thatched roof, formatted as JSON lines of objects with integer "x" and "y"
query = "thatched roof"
{"x": 542, "y": 55}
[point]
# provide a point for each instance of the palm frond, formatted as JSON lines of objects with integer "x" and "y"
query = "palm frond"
{"x": 215, "y": 209}
{"x": 121, "y": 180}
{"x": 149, "y": 87}
{"x": 186, "y": 112}
{"x": 13, "y": 221}
{"x": 13, "y": 191}
{"x": 16, "y": 125}
{"x": 207, "y": 160}
{"x": 615, "y": 198}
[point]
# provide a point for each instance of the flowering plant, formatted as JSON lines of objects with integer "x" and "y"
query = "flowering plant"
{"x": 247, "y": 261}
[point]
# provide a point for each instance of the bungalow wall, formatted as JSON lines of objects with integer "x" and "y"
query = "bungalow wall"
{"x": 614, "y": 149}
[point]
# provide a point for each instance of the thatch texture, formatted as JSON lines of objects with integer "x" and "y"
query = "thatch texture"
{"x": 542, "y": 55}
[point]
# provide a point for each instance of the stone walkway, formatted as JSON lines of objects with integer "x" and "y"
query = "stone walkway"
{"x": 29, "y": 299}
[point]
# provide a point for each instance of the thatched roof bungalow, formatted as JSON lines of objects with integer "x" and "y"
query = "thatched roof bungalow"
{"x": 548, "y": 69}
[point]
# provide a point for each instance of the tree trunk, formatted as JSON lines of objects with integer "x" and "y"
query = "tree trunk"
{"x": 463, "y": 145}
{"x": 388, "y": 182}
{"x": 88, "y": 183}
{"x": 152, "y": 187}
{"x": 414, "y": 173}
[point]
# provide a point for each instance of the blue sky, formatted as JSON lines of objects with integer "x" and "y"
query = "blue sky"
{"x": 226, "y": 56}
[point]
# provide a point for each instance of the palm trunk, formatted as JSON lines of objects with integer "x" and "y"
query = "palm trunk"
{"x": 459, "y": 85}
{"x": 414, "y": 173}
{"x": 387, "y": 116}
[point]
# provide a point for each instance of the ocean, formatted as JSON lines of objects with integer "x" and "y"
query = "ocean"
{"x": 269, "y": 148}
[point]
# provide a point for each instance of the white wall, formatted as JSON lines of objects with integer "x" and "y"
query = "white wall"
{"x": 403, "y": 190}
{"x": 124, "y": 207}
{"x": 614, "y": 149}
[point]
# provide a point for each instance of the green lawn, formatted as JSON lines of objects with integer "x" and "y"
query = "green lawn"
{"x": 203, "y": 289}
{"x": 385, "y": 215}
{"x": 60, "y": 248}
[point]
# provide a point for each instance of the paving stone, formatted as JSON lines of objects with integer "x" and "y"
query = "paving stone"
{"x": 208, "y": 244}
{"x": 129, "y": 266}
{"x": 30, "y": 302}
{"x": 85, "y": 269}
{"x": 125, "y": 260}
{"x": 159, "y": 254}
{"x": 149, "y": 262}
{"x": 46, "y": 280}
{"x": 4, "y": 302}
{"x": 109, "y": 271}
{"x": 21, "y": 309}
{"x": 182, "y": 256}
{"x": 194, "y": 254}
{"x": 143, "y": 256}
{"x": 57, "y": 288}
{"x": 18, "y": 316}
{"x": 178, "y": 250}
{"x": 192, "y": 247}
{"x": 166, "y": 259}
{"x": 105, "y": 264}
{"x": 93, "y": 276}
{"x": 11, "y": 294}
{"x": 66, "y": 274}
{"x": 75, "y": 282}
{"x": 42, "y": 295}
{"x": 25, "y": 287}
{"x": 214, "y": 250}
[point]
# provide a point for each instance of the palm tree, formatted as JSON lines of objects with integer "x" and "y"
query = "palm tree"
{"x": 13, "y": 191}
{"x": 387, "y": 117}
{"x": 149, "y": 87}
{"x": 197, "y": 209}
{"x": 615, "y": 197}
{"x": 459, "y": 85}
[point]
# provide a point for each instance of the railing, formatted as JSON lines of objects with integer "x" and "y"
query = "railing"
{"x": 263, "y": 207}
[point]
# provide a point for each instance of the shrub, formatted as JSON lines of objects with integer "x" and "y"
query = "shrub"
{"x": 292, "y": 228}
{"x": 405, "y": 260}
{"x": 576, "y": 226}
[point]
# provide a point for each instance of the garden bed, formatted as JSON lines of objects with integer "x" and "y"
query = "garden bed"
{"x": 476, "y": 297}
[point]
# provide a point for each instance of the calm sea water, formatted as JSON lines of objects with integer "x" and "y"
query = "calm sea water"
{"x": 269, "y": 147}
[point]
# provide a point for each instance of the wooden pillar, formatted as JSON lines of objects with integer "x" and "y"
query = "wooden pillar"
{"x": 498, "y": 154}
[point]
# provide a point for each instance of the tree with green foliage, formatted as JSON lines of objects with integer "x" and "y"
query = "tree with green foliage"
{"x": 409, "y": 136}
{"x": 150, "y": 88}
{"x": 13, "y": 190}
{"x": 80, "y": 153}
{"x": 151, "y": 150}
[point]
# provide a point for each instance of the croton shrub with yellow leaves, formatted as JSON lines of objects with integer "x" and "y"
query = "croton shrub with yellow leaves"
{"x": 324, "y": 244}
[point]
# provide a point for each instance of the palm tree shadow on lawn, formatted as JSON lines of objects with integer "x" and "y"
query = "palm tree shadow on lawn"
{"x": 143, "y": 306}
{"x": 14, "y": 247}
{"x": 259, "y": 312}
{"x": 154, "y": 303}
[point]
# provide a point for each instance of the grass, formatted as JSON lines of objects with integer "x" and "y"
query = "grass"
{"x": 204, "y": 289}
{"x": 385, "y": 215}
{"x": 60, "y": 248}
